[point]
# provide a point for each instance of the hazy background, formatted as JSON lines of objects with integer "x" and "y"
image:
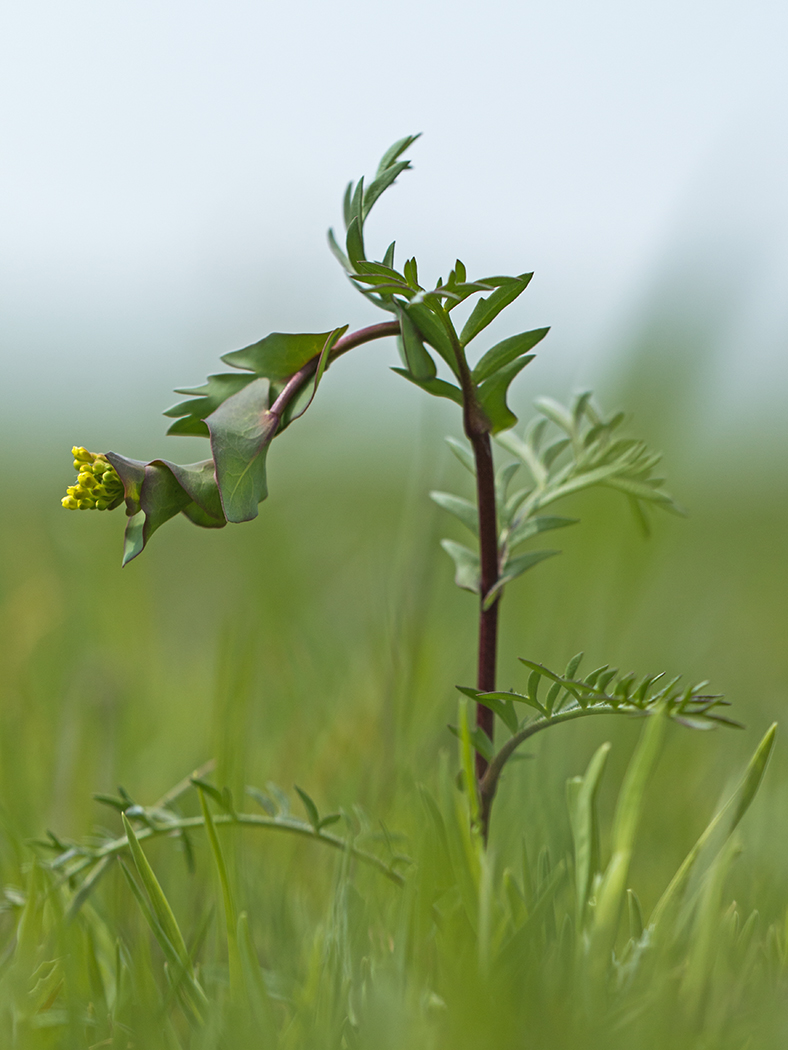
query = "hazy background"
{"x": 169, "y": 170}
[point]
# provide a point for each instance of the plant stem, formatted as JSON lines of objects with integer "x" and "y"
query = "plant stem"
{"x": 347, "y": 342}
{"x": 477, "y": 430}
{"x": 488, "y": 784}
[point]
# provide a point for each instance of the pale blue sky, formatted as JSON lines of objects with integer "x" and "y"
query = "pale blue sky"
{"x": 169, "y": 169}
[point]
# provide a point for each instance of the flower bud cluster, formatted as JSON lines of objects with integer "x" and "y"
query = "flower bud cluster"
{"x": 98, "y": 486}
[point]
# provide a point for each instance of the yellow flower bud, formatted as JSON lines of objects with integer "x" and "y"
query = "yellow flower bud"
{"x": 98, "y": 485}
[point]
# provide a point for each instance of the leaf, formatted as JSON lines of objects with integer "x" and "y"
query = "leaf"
{"x": 310, "y": 807}
{"x": 515, "y": 566}
{"x": 216, "y": 390}
{"x": 417, "y": 360}
{"x": 433, "y": 331}
{"x": 230, "y": 917}
{"x": 436, "y": 387}
{"x": 505, "y": 352}
{"x": 519, "y": 698}
{"x": 501, "y": 705}
{"x": 533, "y": 526}
{"x": 581, "y": 799}
{"x": 486, "y": 310}
{"x": 467, "y": 566}
{"x": 625, "y": 824}
{"x": 721, "y": 827}
{"x": 395, "y": 151}
{"x": 279, "y": 355}
{"x": 157, "y": 491}
{"x": 337, "y": 251}
{"x": 159, "y": 903}
{"x": 460, "y": 508}
{"x": 463, "y": 454}
{"x": 492, "y": 395}
{"x": 241, "y": 430}
{"x": 355, "y": 242}
{"x": 381, "y": 183}
{"x": 306, "y": 394}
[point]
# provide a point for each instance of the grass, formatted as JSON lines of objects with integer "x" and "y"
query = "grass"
{"x": 320, "y": 646}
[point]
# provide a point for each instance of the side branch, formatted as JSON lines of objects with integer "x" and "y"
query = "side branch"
{"x": 347, "y": 342}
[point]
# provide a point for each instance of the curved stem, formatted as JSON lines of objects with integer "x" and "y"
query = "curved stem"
{"x": 294, "y": 827}
{"x": 489, "y": 782}
{"x": 347, "y": 342}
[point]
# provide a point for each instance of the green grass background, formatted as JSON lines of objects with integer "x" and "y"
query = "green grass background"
{"x": 320, "y": 646}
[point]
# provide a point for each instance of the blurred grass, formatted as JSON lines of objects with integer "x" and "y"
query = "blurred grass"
{"x": 320, "y": 645}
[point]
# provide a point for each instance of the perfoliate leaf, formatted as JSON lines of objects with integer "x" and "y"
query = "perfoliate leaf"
{"x": 279, "y": 355}
{"x": 502, "y": 353}
{"x": 460, "y": 508}
{"x": 436, "y": 387}
{"x": 216, "y": 390}
{"x": 486, "y": 310}
{"x": 157, "y": 491}
{"x": 467, "y": 565}
{"x": 241, "y": 430}
{"x": 492, "y": 395}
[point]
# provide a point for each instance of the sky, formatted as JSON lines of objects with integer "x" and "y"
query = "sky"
{"x": 169, "y": 170}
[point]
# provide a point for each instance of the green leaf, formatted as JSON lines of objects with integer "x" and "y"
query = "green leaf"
{"x": 381, "y": 183}
{"x": 230, "y": 917}
{"x": 159, "y": 903}
{"x": 492, "y": 395}
{"x": 433, "y": 330}
{"x": 486, "y": 310}
{"x": 533, "y": 526}
{"x": 337, "y": 251}
{"x": 460, "y": 508}
{"x": 463, "y": 454}
{"x": 355, "y": 242}
{"x": 395, "y": 151}
{"x": 417, "y": 360}
{"x": 515, "y": 566}
{"x": 310, "y": 807}
{"x": 157, "y": 491}
{"x": 436, "y": 387}
{"x": 306, "y": 394}
{"x": 505, "y": 352}
{"x": 279, "y": 355}
{"x": 216, "y": 390}
{"x": 467, "y": 566}
{"x": 519, "y": 698}
{"x": 625, "y": 824}
{"x": 720, "y": 828}
{"x": 241, "y": 430}
{"x": 583, "y": 818}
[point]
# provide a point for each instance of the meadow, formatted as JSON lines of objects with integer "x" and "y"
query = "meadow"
{"x": 320, "y": 646}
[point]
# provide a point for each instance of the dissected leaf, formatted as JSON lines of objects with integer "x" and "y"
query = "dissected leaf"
{"x": 505, "y": 352}
{"x": 467, "y": 565}
{"x": 433, "y": 331}
{"x": 416, "y": 358}
{"x": 486, "y": 310}
{"x": 492, "y": 395}
{"x": 460, "y": 508}
{"x": 436, "y": 387}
